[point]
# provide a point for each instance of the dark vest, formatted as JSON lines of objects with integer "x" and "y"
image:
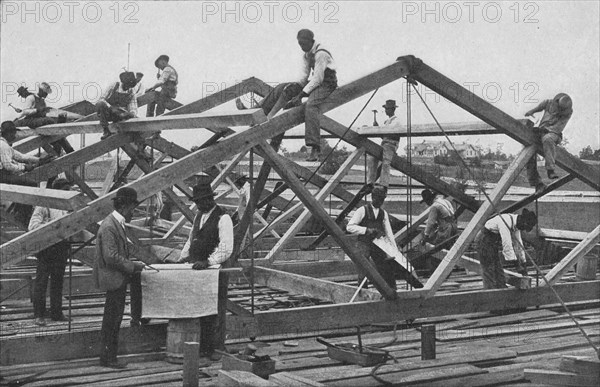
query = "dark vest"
{"x": 330, "y": 76}
{"x": 119, "y": 99}
{"x": 40, "y": 107}
{"x": 205, "y": 240}
{"x": 372, "y": 222}
{"x": 171, "y": 86}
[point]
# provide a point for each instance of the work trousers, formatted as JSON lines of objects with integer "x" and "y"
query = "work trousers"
{"x": 378, "y": 258}
{"x": 213, "y": 328}
{"x": 492, "y": 272}
{"x": 108, "y": 113}
{"x": 113, "y": 315}
{"x": 51, "y": 265}
{"x": 549, "y": 143}
{"x": 162, "y": 101}
{"x": 389, "y": 150}
{"x": 312, "y": 113}
{"x": 36, "y": 122}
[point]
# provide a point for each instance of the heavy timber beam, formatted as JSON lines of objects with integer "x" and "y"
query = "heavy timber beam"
{"x": 63, "y": 200}
{"x": 319, "y": 213}
{"x": 420, "y": 130}
{"x": 398, "y": 163}
{"x": 162, "y": 178}
{"x": 532, "y": 198}
{"x": 408, "y": 230}
{"x": 478, "y": 220}
{"x": 154, "y": 124}
{"x": 319, "y": 197}
{"x": 573, "y": 257}
{"x": 502, "y": 121}
{"x": 80, "y": 156}
{"x": 308, "y": 286}
{"x": 409, "y": 305}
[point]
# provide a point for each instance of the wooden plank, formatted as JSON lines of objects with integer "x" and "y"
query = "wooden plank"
{"x": 478, "y": 220}
{"x": 495, "y": 117}
{"x": 320, "y": 197}
{"x": 410, "y": 306}
{"x": 146, "y": 186}
{"x": 572, "y": 258}
{"x": 291, "y": 380}
{"x": 420, "y": 130}
{"x": 154, "y": 124}
{"x": 585, "y": 365}
{"x": 560, "y": 378}
{"x": 53, "y": 198}
{"x": 338, "y": 234}
{"x": 311, "y": 287}
{"x": 398, "y": 163}
{"x": 234, "y": 378}
{"x": 409, "y": 229}
{"x": 536, "y": 195}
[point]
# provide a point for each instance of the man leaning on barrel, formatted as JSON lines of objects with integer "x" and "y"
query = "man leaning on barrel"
{"x": 209, "y": 246}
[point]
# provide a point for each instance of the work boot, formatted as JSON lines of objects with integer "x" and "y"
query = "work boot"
{"x": 106, "y": 134}
{"x": 239, "y": 104}
{"x": 539, "y": 188}
{"x": 62, "y": 118}
{"x": 315, "y": 152}
{"x": 552, "y": 175}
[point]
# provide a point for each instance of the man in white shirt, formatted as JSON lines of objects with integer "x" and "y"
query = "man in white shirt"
{"x": 167, "y": 80}
{"x": 441, "y": 224}
{"x": 209, "y": 246}
{"x": 502, "y": 231}
{"x": 118, "y": 102}
{"x": 371, "y": 222}
{"x": 389, "y": 143}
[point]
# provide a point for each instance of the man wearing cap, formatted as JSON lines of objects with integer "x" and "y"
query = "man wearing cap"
{"x": 503, "y": 232}
{"x": 389, "y": 143}
{"x": 167, "y": 82}
{"x": 441, "y": 224}
{"x": 118, "y": 102}
{"x": 370, "y": 222}
{"x": 557, "y": 113}
{"x": 209, "y": 246}
{"x": 33, "y": 114}
{"x": 113, "y": 270}
{"x": 51, "y": 263}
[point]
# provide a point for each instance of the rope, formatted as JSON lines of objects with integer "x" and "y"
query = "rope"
{"x": 495, "y": 211}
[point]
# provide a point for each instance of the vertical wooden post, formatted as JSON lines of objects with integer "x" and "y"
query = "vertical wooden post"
{"x": 428, "y": 342}
{"x": 191, "y": 360}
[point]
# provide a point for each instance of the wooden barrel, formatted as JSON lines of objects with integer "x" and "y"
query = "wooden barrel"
{"x": 180, "y": 331}
{"x": 587, "y": 267}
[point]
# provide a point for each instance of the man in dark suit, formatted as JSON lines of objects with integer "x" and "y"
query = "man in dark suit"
{"x": 113, "y": 270}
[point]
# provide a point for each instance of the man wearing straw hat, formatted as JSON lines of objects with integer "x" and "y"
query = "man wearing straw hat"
{"x": 389, "y": 145}
{"x": 209, "y": 246}
{"x": 113, "y": 270}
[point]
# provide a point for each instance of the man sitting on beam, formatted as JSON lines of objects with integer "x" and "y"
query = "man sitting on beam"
{"x": 118, "y": 103}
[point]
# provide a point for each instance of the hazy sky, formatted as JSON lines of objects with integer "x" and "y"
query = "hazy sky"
{"x": 513, "y": 54}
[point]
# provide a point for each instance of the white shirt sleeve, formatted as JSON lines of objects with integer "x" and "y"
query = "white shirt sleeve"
{"x": 353, "y": 226}
{"x": 29, "y": 107}
{"x": 40, "y": 216}
{"x": 322, "y": 59}
{"x": 225, "y": 247}
{"x": 507, "y": 242}
{"x": 185, "y": 251}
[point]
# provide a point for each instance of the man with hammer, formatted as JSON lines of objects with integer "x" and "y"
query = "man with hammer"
{"x": 390, "y": 147}
{"x": 167, "y": 80}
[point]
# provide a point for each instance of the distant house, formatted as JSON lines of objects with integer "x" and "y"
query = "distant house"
{"x": 430, "y": 149}
{"x": 501, "y": 164}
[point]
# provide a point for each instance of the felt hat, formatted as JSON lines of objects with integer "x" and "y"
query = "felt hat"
{"x": 390, "y": 103}
{"x": 8, "y": 126}
{"x": 46, "y": 87}
{"x": 427, "y": 195}
{"x": 529, "y": 217}
{"x": 22, "y": 90}
{"x": 305, "y": 34}
{"x": 61, "y": 183}
{"x": 126, "y": 195}
{"x": 128, "y": 78}
{"x": 379, "y": 190}
{"x": 202, "y": 190}
{"x": 162, "y": 57}
{"x": 565, "y": 102}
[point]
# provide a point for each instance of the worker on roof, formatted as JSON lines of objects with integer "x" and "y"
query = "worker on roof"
{"x": 167, "y": 80}
{"x": 441, "y": 223}
{"x": 118, "y": 102}
{"x": 389, "y": 143}
{"x": 503, "y": 232}
{"x": 317, "y": 82}
{"x": 557, "y": 113}
{"x": 34, "y": 114}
